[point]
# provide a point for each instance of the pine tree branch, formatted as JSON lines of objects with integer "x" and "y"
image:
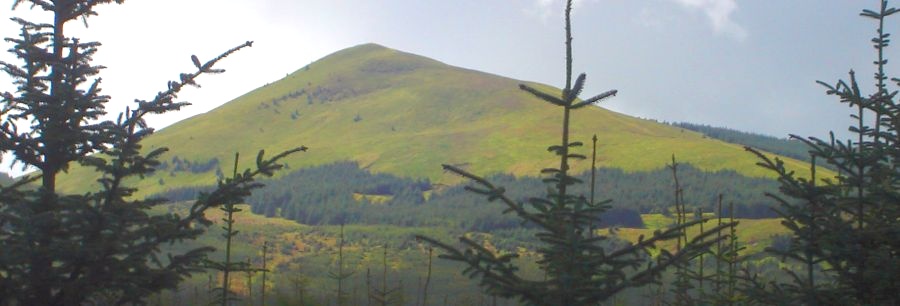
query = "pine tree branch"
{"x": 543, "y": 96}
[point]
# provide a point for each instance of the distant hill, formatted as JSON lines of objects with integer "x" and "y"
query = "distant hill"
{"x": 405, "y": 114}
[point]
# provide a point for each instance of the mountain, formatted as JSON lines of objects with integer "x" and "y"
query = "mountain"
{"x": 405, "y": 114}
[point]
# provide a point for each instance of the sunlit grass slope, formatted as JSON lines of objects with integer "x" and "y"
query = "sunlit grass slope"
{"x": 405, "y": 114}
{"x": 312, "y": 250}
{"x": 753, "y": 234}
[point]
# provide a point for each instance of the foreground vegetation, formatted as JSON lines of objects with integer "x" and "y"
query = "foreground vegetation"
{"x": 100, "y": 245}
{"x": 301, "y": 257}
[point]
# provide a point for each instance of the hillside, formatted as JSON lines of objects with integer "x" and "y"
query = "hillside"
{"x": 405, "y": 114}
{"x": 782, "y": 146}
{"x": 309, "y": 253}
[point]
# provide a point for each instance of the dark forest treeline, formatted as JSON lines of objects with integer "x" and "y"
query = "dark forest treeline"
{"x": 781, "y": 146}
{"x": 325, "y": 195}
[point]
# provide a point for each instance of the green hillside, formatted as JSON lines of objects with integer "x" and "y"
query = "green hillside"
{"x": 783, "y": 146}
{"x": 310, "y": 252}
{"x": 405, "y": 114}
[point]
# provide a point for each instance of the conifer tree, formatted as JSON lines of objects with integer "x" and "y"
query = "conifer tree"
{"x": 265, "y": 257}
{"x": 699, "y": 275}
{"x": 732, "y": 257}
{"x": 100, "y": 245}
{"x": 340, "y": 276}
{"x": 579, "y": 271}
{"x": 299, "y": 282}
{"x": 386, "y": 295}
{"x": 249, "y": 272}
{"x": 848, "y": 223}
{"x": 688, "y": 286}
{"x": 593, "y": 181}
{"x": 427, "y": 278}
{"x": 681, "y": 286}
{"x": 227, "y": 266}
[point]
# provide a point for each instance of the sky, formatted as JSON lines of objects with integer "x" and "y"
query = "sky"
{"x": 745, "y": 64}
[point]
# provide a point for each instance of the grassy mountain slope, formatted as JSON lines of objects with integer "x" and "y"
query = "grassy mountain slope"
{"x": 783, "y": 146}
{"x": 405, "y": 114}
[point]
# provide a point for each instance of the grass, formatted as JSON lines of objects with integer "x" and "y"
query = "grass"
{"x": 295, "y": 240}
{"x": 754, "y": 234}
{"x": 372, "y": 198}
{"x": 311, "y": 252}
{"x": 416, "y": 113}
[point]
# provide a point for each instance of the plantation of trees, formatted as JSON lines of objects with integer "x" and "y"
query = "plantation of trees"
{"x": 327, "y": 197}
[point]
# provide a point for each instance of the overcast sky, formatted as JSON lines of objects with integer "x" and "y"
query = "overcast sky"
{"x": 749, "y": 65}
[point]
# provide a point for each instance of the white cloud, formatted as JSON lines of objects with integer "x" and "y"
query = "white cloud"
{"x": 719, "y": 13}
{"x": 652, "y": 19}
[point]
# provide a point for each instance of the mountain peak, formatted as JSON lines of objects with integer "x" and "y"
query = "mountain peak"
{"x": 361, "y": 50}
{"x": 372, "y": 58}
{"x": 397, "y": 112}
{"x": 369, "y": 46}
